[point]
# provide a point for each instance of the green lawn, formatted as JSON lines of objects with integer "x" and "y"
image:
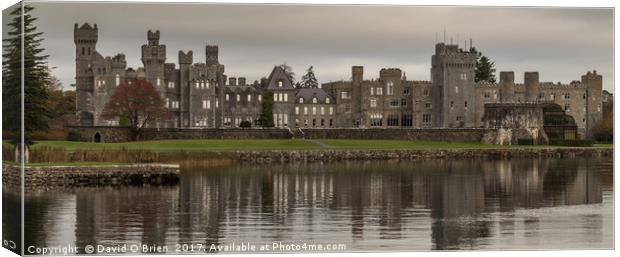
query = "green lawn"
{"x": 272, "y": 144}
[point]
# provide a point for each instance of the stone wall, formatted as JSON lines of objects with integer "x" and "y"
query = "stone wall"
{"x": 118, "y": 134}
{"x": 461, "y": 135}
{"x": 105, "y": 175}
{"x": 252, "y": 157}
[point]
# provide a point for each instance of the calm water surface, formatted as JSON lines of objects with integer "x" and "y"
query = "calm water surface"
{"x": 368, "y": 206}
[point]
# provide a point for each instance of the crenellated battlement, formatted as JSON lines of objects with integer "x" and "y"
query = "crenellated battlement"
{"x": 85, "y": 33}
{"x": 186, "y": 58}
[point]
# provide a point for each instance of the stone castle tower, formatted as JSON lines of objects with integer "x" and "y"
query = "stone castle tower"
{"x": 453, "y": 78}
{"x": 85, "y": 39}
{"x": 153, "y": 59}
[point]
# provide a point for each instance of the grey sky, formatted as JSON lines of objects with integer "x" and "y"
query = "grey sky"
{"x": 560, "y": 43}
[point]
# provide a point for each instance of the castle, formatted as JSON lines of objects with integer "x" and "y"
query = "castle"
{"x": 199, "y": 94}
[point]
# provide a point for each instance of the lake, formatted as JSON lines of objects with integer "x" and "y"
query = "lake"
{"x": 346, "y": 206}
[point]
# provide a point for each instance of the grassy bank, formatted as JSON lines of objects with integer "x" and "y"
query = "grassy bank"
{"x": 271, "y": 144}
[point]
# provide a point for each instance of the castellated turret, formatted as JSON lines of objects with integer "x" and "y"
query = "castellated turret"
{"x": 85, "y": 39}
{"x": 212, "y": 54}
{"x": 452, "y": 74}
{"x": 507, "y": 86}
{"x": 153, "y": 37}
{"x": 186, "y": 58}
{"x": 357, "y": 73}
{"x": 594, "y": 99}
{"x": 532, "y": 86}
{"x": 153, "y": 59}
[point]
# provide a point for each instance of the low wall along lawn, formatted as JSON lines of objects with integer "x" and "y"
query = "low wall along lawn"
{"x": 95, "y": 175}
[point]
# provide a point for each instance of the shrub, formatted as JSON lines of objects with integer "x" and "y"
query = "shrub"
{"x": 245, "y": 124}
{"x": 582, "y": 143}
{"x": 73, "y": 136}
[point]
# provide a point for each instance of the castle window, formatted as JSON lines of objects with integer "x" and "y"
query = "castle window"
{"x": 425, "y": 92}
{"x": 313, "y": 110}
{"x": 407, "y": 120}
{"x": 249, "y": 98}
{"x": 429, "y": 106}
{"x": 331, "y": 122}
{"x": 280, "y": 83}
{"x": 567, "y": 107}
{"x": 202, "y": 84}
{"x": 451, "y": 104}
{"x": 322, "y": 110}
{"x": 89, "y": 51}
{"x": 406, "y": 91}
{"x": 456, "y": 89}
{"x": 486, "y": 94}
{"x": 376, "y": 120}
{"x": 552, "y": 96}
{"x": 327, "y": 100}
{"x": 314, "y": 100}
{"x": 208, "y": 104}
{"x": 373, "y": 103}
{"x": 83, "y": 51}
{"x": 566, "y": 96}
{"x": 227, "y": 97}
{"x": 217, "y": 103}
{"x": 322, "y": 122}
{"x": 207, "y": 84}
{"x": 346, "y": 108}
{"x": 167, "y": 103}
{"x": 372, "y": 91}
{"x": 301, "y": 100}
{"x": 296, "y": 110}
{"x": 204, "y": 104}
{"x": 314, "y": 122}
{"x": 403, "y": 102}
{"x": 379, "y": 91}
{"x": 260, "y": 98}
{"x": 392, "y": 120}
{"x": 170, "y": 84}
{"x": 465, "y": 104}
{"x": 197, "y": 84}
{"x": 463, "y": 76}
{"x": 158, "y": 81}
{"x": 305, "y": 110}
{"x": 394, "y": 103}
{"x": 426, "y": 120}
{"x": 285, "y": 97}
{"x": 584, "y": 96}
{"x": 390, "y": 88}
{"x": 345, "y": 95}
{"x": 331, "y": 111}
{"x": 118, "y": 80}
{"x": 238, "y": 98}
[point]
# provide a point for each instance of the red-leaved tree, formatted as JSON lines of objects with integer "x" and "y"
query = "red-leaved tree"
{"x": 137, "y": 101}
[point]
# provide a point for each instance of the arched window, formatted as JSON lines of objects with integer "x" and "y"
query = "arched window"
{"x": 327, "y": 100}
{"x": 118, "y": 80}
{"x": 280, "y": 83}
{"x": 301, "y": 100}
{"x": 314, "y": 100}
{"x": 390, "y": 88}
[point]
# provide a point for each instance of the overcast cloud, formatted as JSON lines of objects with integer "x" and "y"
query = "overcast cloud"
{"x": 560, "y": 43}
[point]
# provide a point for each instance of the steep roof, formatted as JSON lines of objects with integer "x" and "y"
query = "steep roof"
{"x": 278, "y": 74}
{"x": 308, "y": 93}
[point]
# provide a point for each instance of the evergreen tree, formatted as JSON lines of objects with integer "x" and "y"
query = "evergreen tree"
{"x": 309, "y": 80}
{"x": 36, "y": 77}
{"x": 485, "y": 68}
{"x": 266, "y": 115}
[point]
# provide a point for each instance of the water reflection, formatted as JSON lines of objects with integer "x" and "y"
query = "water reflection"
{"x": 518, "y": 204}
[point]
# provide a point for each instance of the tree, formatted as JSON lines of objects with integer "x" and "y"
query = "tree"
{"x": 35, "y": 78}
{"x": 289, "y": 72}
{"x": 309, "y": 80}
{"x": 137, "y": 101}
{"x": 485, "y": 68}
{"x": 603, "y": 131}
{"x": 266, "y": 115}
